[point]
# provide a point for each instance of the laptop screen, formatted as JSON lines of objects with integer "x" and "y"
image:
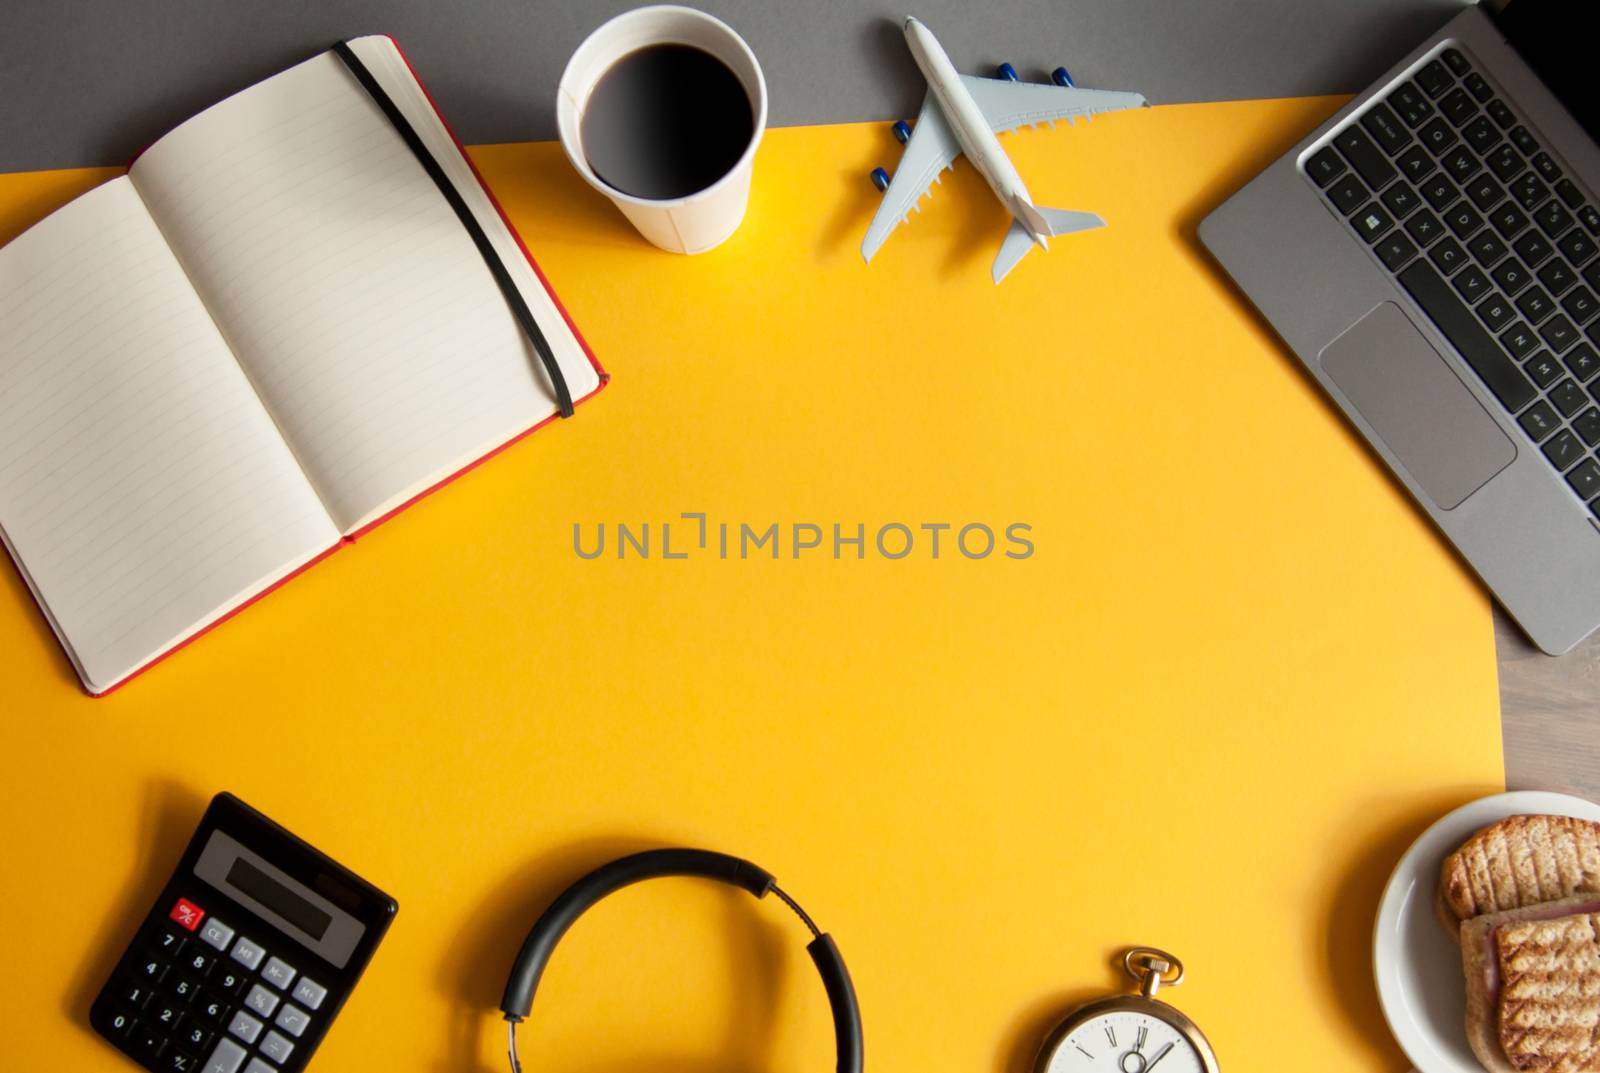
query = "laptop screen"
{"x": 1557, "y": 39}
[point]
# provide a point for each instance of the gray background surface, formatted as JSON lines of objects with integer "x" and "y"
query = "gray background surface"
{"x": 93, "y": 81}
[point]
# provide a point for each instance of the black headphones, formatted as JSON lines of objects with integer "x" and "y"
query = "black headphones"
{"x": 576, "y": 899}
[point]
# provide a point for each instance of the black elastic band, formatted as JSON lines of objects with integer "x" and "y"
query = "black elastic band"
{"x": 491, "y": 257}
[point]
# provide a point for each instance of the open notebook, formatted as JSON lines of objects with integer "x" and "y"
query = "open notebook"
{"x": 267, "y": 336}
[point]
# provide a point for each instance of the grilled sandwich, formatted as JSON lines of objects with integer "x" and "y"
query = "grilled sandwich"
{"x": 1520, "y": 861}
{"x": 1533, "y": 987}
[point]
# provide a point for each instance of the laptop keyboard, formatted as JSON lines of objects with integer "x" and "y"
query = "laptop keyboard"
{"x": 1476, "y": 220}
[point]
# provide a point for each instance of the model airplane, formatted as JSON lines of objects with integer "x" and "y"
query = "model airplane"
{"x": 962, "y": 114}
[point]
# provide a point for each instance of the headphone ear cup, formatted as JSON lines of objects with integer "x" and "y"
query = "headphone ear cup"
{"x": 841, "y": 1000}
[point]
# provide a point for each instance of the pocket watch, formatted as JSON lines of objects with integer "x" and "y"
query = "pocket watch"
{"x": 1130, "y": 1033}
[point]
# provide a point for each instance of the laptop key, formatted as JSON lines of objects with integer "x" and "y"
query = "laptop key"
{"x": 1463, "y": 219}
{"x": 1556, "y": 277}
{"x": 1563, "y": 449}
{"x": 1399, "y": 198}
{"x": 1347, "y": 193}
{"x": 1439, "y": 191}
{"x": 1365, "y": 157}
{"x": 1448, "y": 255}
{"x": 1371, "y": 221}
{"x": 1414, "y": 163}
{"x": 1434, "y": 79}
{"x": 1587, "y": 426}
{"x": 1591, "y": 219}
{"x": 1505, "y": 163}
{"x": 1511, "y": 276}
{"x": 1508, "y": 220}
{"x": 1480, "y": 90}
{"x": 1585, "y": 478}
{"x": 1591, "y": 276}
{"x": 1578, "y": 246}
{"x": 1553, "y": 219}
{"x": 1538, "y": 421}
{"x": 1458, "y": 106}
{"x": 1529, "y": 190}
{"x": 1568, "y": 398}
{"x": 1533, "y": 249}
{"x": 1486, "y": 247}
{"x": 1496, "y": 311}
{"x": 1580, "y": 305}
{"x": 1519, "y": 340}
{"x": 1385, "y": 128}
{"x": 1569, "y": 193}
{"x": 1455, "y": 61}
{"x": 1481, "y": 134}
{"x": 1394, "y": 250}
{"x": 1438, "y": 135}
{"x": 1524, "y": 140}
{"x": 1536, "y": 305}
{"x": 1472, "y": 284}
{"x": 1545, "y": 165}
{"x": 1460, "y": 164}
{"x": 1324, "y": 166}
{"x": 1544, "y": 368}
{"x": 1484, "y": 192}
{"x": 1477, "y": 347}
{"x": 1424, "y": 226}
{"x": 1411, "y": 104}
{"x": 1559, "y": 332}
{"x": 1583, "y": 361}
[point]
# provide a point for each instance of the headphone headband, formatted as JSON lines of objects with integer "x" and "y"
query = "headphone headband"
{"x": 572, "y": 903}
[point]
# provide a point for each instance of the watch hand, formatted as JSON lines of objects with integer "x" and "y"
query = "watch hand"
{"x": 1159, "y": 1056}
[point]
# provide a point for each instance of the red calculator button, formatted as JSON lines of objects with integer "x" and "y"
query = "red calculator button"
{"x": 187, "y": 914}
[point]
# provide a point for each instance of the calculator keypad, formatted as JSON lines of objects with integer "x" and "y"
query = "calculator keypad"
{"x": 198, "y": 997}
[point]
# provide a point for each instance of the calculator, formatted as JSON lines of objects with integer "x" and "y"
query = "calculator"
{"x": 247, "y": 955}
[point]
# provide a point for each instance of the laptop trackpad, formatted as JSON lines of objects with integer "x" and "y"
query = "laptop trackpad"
{"x": 1418, "y": 406}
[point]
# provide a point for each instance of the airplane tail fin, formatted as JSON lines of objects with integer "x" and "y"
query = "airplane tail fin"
{"x": 1032, "y": 221}
{"x": 1065, "y": 221}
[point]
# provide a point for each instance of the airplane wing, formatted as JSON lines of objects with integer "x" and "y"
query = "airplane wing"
{"x": 932, "y": 148}
{"x": 1008, "y": 105}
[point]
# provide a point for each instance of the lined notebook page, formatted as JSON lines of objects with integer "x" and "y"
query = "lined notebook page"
{"x": 351, "y": 293}
{"x": 143, "y": 487}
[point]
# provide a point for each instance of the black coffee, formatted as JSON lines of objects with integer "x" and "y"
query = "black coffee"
{"x": 666, "y": 121}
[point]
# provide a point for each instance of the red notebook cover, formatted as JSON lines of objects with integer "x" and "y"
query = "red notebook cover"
{"x": 605, "y": 378}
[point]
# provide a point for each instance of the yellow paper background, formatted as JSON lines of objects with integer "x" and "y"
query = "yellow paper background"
{"x": 1239, "y": 673}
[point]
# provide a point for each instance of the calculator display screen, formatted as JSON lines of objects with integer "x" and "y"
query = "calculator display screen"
{"x": 279, "y": 898}
{"x": 267, "y": 888}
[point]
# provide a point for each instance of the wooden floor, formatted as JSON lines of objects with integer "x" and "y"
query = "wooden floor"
{"x": 1550, "y": 712}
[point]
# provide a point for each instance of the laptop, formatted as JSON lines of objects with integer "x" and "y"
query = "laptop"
{"x": 1431, "y": 255}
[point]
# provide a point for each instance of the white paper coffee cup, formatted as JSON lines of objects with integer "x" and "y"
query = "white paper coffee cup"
{"x": 705, "y": 218}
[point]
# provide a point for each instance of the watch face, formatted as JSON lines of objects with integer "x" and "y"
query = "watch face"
{"x": 1125, "y": 1041}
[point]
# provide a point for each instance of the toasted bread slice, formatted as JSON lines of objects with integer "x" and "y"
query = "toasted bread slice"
{"x": 1520, "y": 861}
{"x": 1480, "y": 963}
{"x": 1550, "y": 994}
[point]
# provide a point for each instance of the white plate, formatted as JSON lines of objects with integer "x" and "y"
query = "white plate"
{"x": 1417, "y": 965}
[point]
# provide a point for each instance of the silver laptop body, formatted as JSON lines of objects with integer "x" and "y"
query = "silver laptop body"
{"x": 1507, "y": 471}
